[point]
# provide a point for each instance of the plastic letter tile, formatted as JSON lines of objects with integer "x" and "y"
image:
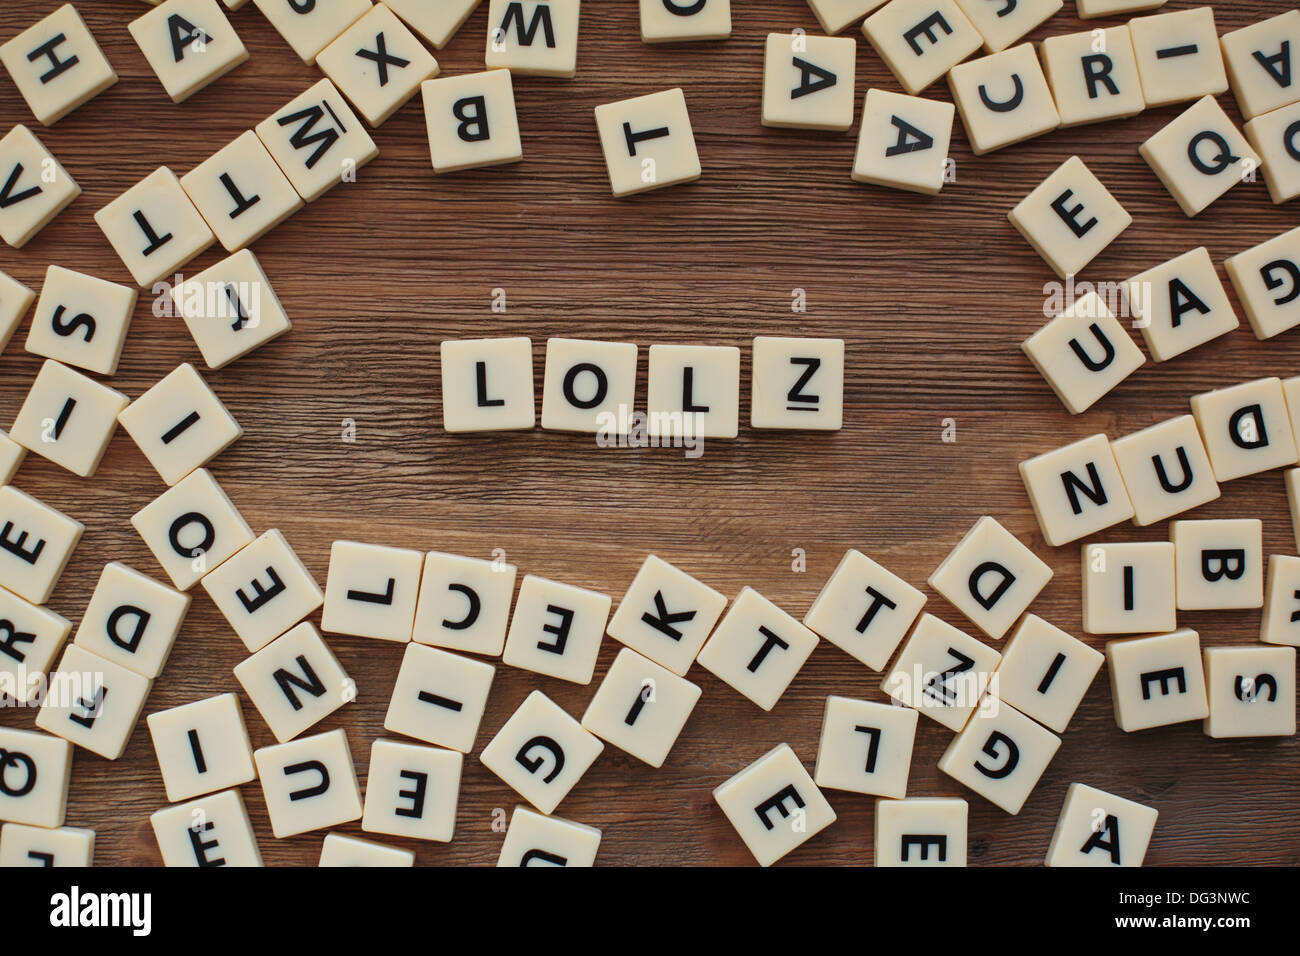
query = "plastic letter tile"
{"x": 309, "y": 784}
{"x": 670, "y": 21}
{"x": 797, "y": 383}
{"x": 1251, "y": 691}
{"x": 263, "y": 590}
{"x": 1166, "y": 469}
{"x": 38, "y": 768}
{"x": 1281, "y": 620}
{"x": 211, "y": 831}
{"x": 1097, "y": 828}
{"x": 757, "y": 649}
{"x": 68, "y": 418}
{"x": 693, "y": 392}
{"x": 1246, "y": 428}
{"x": 412, "y": 791}
{"x": 1045, "y": 672}
{"x": 21, "y": 845}
{"x": 1128, "y": 588}
{"x": 774, "y": 805}
{"x": 36, "y": 542}
{"x": 921, "y": 831}
{"x": 1275, "y": 137}
{"x": 641, "y": 707}
{"x": 93, "y": 702}
{"x": 1180, "y": 304}
{"x": 57, "y": 65}
{"x": 30, "y": 638}
{"x": 866, "y": 747}
{"x": 808, "y": 81}
{"x": 666, "y": 615}
{"x": 310, "y": 27}
{"x": 378, "y": 64}
{"x": 1000, "y": 754}
{"x": 295, "y": 682}
{"x": 180, "y": 424}
{"x": 316, "y": 139}
{"x": 1178, "y": 56}
{"x": 1219, "y": 563}
{"x": 942, "y": 672}
{"x": 1076, "y": 490}
{"x": 339, "y": 850}
{"x": 487, "y": 384}
{"x": 202, "y": 747}
{"x": 1003, "y": 99}
{"x": 991, "y": 577}
{"x": 589, "y": 386}
{"x": 1083, "y": 353}
{"x": 1093, "y": 81}
{"x": 34, "y": 188}
{"x": 1200, "y": 155}
{"x": 241, "y": 192}
{"x": 471, "y": 121}
{"x": 1001, "y": 23}
{"x": 536, "y": 840}
{"x": 903, "y": 142}
{"x": 436, "y": 22}
{"x": 371, "y": 591}
{"x": 188, "y": 44}
{"x": 439, "y": 697}
{"x": 556, "y": 629}
{"x": 535, "y": 37}
{"x": 154, "y": 228}
{"x": 1069, "y": 218}
{"x": 192, "y": 527}
{"x": 920, "y": 42}
{"x": 81, "y": 320}
{"x": 1157, "y": 680}
{"x": 648, "y": 142}
{"x": 1262, "y": 63}
{"x": 464, "y": 603}
{"x": 1267, "y": 280}
{"x": 864, "y": 609}
{"x": 132, "y": 620}
{"x": 230, "y": 309}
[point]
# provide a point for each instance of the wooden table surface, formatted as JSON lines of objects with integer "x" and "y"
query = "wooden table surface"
{"x": 932, "y": 296}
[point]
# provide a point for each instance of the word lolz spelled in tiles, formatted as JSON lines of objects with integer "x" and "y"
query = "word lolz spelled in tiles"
{"x": 589, "y": 386}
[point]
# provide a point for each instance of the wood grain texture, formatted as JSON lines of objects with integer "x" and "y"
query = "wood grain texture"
{"x": 932, "y": 295}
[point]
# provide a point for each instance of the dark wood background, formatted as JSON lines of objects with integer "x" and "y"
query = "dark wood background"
{"x": 932, "y": 295}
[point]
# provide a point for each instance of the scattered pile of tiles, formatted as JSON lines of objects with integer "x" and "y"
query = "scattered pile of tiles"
{"x": 1006, "y": 708}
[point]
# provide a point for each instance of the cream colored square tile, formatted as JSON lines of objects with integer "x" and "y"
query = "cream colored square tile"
{"x": 648, "y": 142}
{"x": 154, "y": 228}
{"x": 774, "y": 805}
{"x": 339, "y": 850}
{"x": 412, "y": 791}
{"x": 263, "y": 590}
{"x": 1128, "y": 588}
{"x": 15, "y": 300}
{"x": 309, "y": 784}
{"x": 921, "y": 831}
{"x": 21, "y": 845}
{"x": 371, "y": 591}
{"x": 757, "y": 649}
{"x": 436, "y": 22}
{"x": 11, "y": 456}
{"x": 1083, "y": 353}
{"x": 315, "y": 138}
{"x": 81, "y": 320}
{"x": 991, "y": 577}
{"x": 1251, "y": 691}
{"x": 669, "y": 21}
{"x": 1219, "y": 563}
{"x": 536, "y": 840}
{"x": 1200, "y": 156}
{"x": 36, "y": 542}
{"x": 231, "y": 309}
{"x": 202, "y": 747}
{"x": 797, "y": 383}
{"x": 377, "y": 64}
{"x": 541, "y": 752}
{"x": 1180, "y": 304}
{"x": 864, "y": 609}
{"x": 1069, "y": 218}
{"x": 30, "y": 638}
{"x": 93, "y": 702}
{"x": 920, "y": 42}
{"x": 1275, "y": 137}
{"x": 180, "y": 424}
{"x": 57, "y": 65}
{"x": 1003, "y": 99}
{"x": 132, "y": 620}
{"x": 589, "y": 386}
{"x": 1166, "y": 469}
{"x": 693, "y": 392}
{"x": 210, "y": 831}
{"x": 1093, "y": 77}
{"x": 1267, "y": 280}
{"x": 836, "y": 16}
{"x": 808, "y": 81}
{"x": 1156, "y": 681}
{"x": 942, "y": 672}
{"x": 310, "y": 27}
{"x": 1000, "y": 754}
{"x": 1003, "y": 22}
{"x": 439, "y": 697}
{"x": 866, "y": 747}
{"x": 464, "y": 603}
{"x": 68, "y": 418}
{"x": 1178, "y": 56}
{"x": 533, "y": 37}
{"x": 1280, "y": 623}
{"x": 1045, "y": 672}
{"x": 641, "y": 707}
{"x": 241, "y": 192}
{"x": 666, "y": 615}
{"x": 36, "y": 188}
{"x": 38, "y": 768}
{"x": 487, "y": 384}
{"x": 556, "y": 629}
{"x": 1076, "y": 490}
{"x": 471, "y": 121}
{"x": 903, "y": 142}
{"x": 1088, "y": 9}
{"x": 1096, "y": 828}
{"x": 188, "y": 44}
{"x": 1246, "y": 428}
{"x": 192, "y": 527}
{"x": 1261, "y": 63}
{"x": 295, "y": 682}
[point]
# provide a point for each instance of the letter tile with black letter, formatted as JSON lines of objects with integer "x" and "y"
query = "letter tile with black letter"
{"x": 1178, "y": 56}
{"x": 1069, "y": 218}
{"x": 921, "y": 831}
{"x": 295, "y": 682}
{"x": 1097, "y": 828}
{"x": 991, "y": 576}
{"x": 309, "y": 783}
{"x": 1003, "y": 99}
{"x": 1219, "y": 563}
{"x": 213, "y": 830}
{"x": 36, "y": 542}
{"x": 188, "y": 44}
{"x": 316, "y": 138}
{"x": 648, "y": 142}
{"x": 921, "y": 41}
{"x": 68, "y": 418}
{"x": 263, "y": 590}
{"x": 1000, "y": 754}
{"x": 180, "y": 424}
{"x": 1251, "y": 691}
{"x": 1156, "y": 681}
{"x": 1083, "y": 353}
{"x": 1045, "y": 672}
{"x": 57, "y": 65}
{"x": 1076, "y": 490}
{"x": 191, "y": 527}
{"x": 132, "y": 620}
{"x": 439, "y": 697}
{"x": 1092, "y": 79}
{"x": 757, "y": 649}
{"x": 1180, "y": 304}
{"x": 557, "y": 629}
{"x": 774, "y": 805}
{"x": 202, "y": 747}
{"x": 1166, "y": 469}
{"x": 412, "y": 791}
{"x": 1128, "y": 587}
{"x": 641, "y": 707}
{"x": 1246, "y": 428}
{"x": 903, "y": 142}
{"x": 1267, "y": 280}
{"x": 666, "y": 615}
{"x": 1200, "y": 155}
{"x": 34, "y": 188}
{"x": 541, "y": 752}
{"x": 154, "y": 228}
{"x": 864, "y": 609}
{"x": 464, "y": 603}
{"x": 371, "y": 591}
{"x": 471, "y": 121}
{"x": 536, "y": 840}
